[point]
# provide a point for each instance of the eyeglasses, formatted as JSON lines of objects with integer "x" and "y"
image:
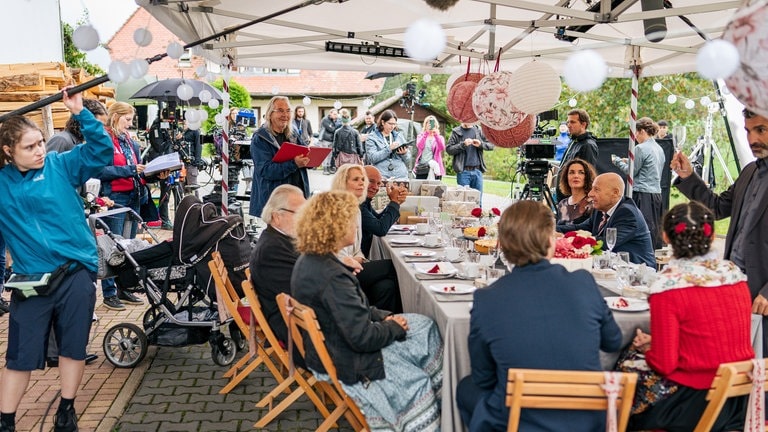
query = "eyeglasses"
{"x": 287, "y": 210}
{"x": 392, "y": 123}
{"x": 282, "y": 111}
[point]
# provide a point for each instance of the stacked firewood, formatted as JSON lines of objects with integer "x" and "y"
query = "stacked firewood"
{"x": 24, "y": 83}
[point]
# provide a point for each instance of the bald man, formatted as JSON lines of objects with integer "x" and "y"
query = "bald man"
{"x": 374, "y": 223}
{"x": 614, "y": 210}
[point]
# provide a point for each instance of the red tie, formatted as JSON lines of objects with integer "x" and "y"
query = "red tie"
{"x": 603, "y": 221}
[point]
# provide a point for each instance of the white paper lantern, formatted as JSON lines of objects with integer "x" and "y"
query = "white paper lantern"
{"x": 275, "y": 90}
{"x": 202, "y": 115}
{"x": 138, "y": 68}
{"x": 705, "y": 101}
{"x": 492, "y": 102}
{"x": 713, "y": 107}
{"x": 424, "y": 40}
{"x": 175, "y": 50}
{"x": 749, "y": 33}
{"x": 585, "y": 70}
{"x": 185, "y": 92}
{"x": 671, "y": 99}
{"x": 535, "y": 87}
{"x": 118, "y": 71}
{"x": 219, "y": 119}
{"x": 399, "y": 92}
{"x": 213, "y": 103}
{"x": 367, "y": 102}
{"x": 194, "y": 125}
{"x": 337, "y": 105}
{"x": 204, "y": 96}
{"x": 426, "y": 78}
{"x": 572, "y": 102}
{"x": 190, "y": 115}
{"x": 657, "y": 86}
{"x": 142, "y": 37}
{"x": 717, "y": 59}
{"x": 85, "y": 37}
{"x": 306, "y": 101}
{"x": 690, "y": 104}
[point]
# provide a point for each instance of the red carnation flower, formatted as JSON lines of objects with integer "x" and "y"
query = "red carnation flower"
{"x": 477, "y": 212}
{"x": 579, "y": 242}
{"x": 481, "y": 232}
{"x": 496, "y": 211}
{"x": 570, "y": 234}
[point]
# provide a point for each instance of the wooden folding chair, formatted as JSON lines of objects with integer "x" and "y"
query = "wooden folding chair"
{"x": 301, "y": 318}
{"x": 305, "y": 382}
{"x": 731, "y": 380}
{"x": 566, "y": 389}
{"x": 231, "y": 300}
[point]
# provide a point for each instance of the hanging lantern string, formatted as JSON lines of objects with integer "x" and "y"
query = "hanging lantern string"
{"x": 104, "y": 78}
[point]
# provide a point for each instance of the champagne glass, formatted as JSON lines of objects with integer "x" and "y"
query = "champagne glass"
{"x": 610, "y": 239}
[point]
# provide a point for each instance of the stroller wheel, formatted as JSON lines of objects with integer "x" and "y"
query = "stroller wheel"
{"x": 237, "y": 337}
{"x": 223, "y": 351}
{"x": 125, "y": 345}
{"x": 150, "y": 317}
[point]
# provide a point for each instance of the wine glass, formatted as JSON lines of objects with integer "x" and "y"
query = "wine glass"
{"x": 610, "y": 239}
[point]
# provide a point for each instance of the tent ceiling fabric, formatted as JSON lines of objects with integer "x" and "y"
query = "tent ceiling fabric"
{"x": 474, "y": 28}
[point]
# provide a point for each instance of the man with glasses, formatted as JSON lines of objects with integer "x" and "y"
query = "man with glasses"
{"x": 373, "y": 222}
{"x": 466, "y": 145}
{"x": 273, "y": 256}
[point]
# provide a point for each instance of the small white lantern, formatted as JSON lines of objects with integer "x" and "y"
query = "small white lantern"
{"x": 85, "y": 37}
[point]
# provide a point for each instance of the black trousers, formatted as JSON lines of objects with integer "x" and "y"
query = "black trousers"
{"x": 378, "y": 280}
{"x": 649, "y": 205}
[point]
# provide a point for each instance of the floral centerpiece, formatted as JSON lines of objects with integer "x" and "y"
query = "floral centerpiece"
{"x": 488, "y": 224}
{"x": 574, "y": 250}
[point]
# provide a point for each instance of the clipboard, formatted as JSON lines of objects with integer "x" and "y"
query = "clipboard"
{"x": 288, "y": 151}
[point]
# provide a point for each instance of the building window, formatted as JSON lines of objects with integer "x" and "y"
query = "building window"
{"x": 275, "y": 71}
{"x": 185, "y": 60}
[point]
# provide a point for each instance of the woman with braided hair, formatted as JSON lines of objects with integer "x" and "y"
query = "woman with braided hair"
{"x": 700, "y": 318}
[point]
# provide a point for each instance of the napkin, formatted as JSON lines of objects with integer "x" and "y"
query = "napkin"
{"x": 435, "y": 269}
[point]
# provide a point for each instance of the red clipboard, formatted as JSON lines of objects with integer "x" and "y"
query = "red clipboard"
{"x": 288, "y": 151}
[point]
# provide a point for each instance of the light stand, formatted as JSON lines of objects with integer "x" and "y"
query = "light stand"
{"x": 706, "y": 146}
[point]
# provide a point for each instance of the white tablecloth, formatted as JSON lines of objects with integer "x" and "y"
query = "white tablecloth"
{"x": 452, "y": 317}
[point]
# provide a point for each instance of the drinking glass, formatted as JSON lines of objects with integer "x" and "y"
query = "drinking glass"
{"x": 610, "y": 238}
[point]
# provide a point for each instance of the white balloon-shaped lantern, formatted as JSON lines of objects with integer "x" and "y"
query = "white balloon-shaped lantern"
{"x": 202, "y": 114}
{"x": 367, "y": 102}
{"x": 492, "y": 102}
{"x": 572, "y": 102}
{"x": 142, "y": 37}
{"x": 219, "y": 118}
{"x": 749, "y": 34}
{"x": 585, "y": 70}
{"x": 204, "y": 96}
{"x": 337, "y": 105}
{"x": 118, "y": 72}
{"x": 306, "y": 101}
{"x": 705, "y": 101}
{"x": 657, "y": 86}
{"x": 138, "y": 68}
{"x": 275, "y": 90}
{"x": 185, "y": 92}
{"x": 690, "y": 104}
{"x": 191, "y": 115}
{"x": 535, "y": 87}
{"x": 717, "y": 59}
{"x": 194, "y": 125}
{"x": 424, "y": 40}
{"x": 213, "y": 103}
{"x": 85, "y": 37}
{"x": 175, "y": 50}
{"x": 426, "y": 78}
{"x": 399, "y": 92}
{"x": 225, "y": 97}
{"x": 671, "y": 99}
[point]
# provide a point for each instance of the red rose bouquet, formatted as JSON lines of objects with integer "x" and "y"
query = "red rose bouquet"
{"x": 578, "y": 244}
{"x": 478, "y": 212}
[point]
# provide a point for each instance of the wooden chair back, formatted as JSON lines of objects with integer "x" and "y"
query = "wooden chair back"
{"x": 302, "y": 321}
{"x": 565, "y": 389}
{"x": 731, "y": 380}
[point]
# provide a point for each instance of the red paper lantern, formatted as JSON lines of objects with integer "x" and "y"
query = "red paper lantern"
{"x": 513, "y": 137}
{"x": 472, "y": 76}
{"x": 459, "y": 102}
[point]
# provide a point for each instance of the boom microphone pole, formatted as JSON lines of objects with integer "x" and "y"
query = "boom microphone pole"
{"x": 104, "y": 78}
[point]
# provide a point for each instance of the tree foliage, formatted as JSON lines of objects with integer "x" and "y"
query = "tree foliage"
{"x": 238, "y": 97}
{"x": 73, "y": 57}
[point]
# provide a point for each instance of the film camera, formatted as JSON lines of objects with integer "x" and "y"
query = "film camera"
{"x": 163, "y": 137}
{"x": 534, "y": 159}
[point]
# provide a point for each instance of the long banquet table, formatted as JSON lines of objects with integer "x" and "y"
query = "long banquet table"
{"x": 451, "y": 314}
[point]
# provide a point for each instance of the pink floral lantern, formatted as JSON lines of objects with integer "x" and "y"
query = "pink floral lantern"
{"x": 513, "y": 137}
{"x": 492, "y": 102}
{"x": 748, "y": 32}
{"x": 459, "y": 102}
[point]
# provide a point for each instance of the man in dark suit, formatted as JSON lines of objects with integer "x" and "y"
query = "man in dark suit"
{"x": 373, "y": 222}
{"x": 746, "y": 203}
{"x": 613, "y": 210}
{"x": 274, "y": 256}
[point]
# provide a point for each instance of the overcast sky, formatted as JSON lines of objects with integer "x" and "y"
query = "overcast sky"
{"x": 105, "y": 15}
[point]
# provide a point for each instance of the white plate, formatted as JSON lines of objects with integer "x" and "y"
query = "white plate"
{"x": 404, "y": 240}
{"x": 604, "y": 273}
{"x": 633, "y": 305}
{"x": 452, "y": 288}
{"x": 446, "y": 268}
{"x": 402, "y": 228}
{"x": 419, "y": 253}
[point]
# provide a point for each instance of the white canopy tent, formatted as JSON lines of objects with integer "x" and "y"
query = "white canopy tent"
{"x": 521, "y": 29}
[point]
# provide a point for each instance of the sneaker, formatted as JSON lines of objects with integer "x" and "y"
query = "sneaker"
{"x": 6, "y": 427}
{"x": 65, "y": 421}
{"x": 113, "y": 303}
{"x": 127, "y": 297}
{"x": 4, "y": 306}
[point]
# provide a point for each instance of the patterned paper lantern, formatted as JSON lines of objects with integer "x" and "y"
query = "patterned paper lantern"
{"x": 461, "y": 77}
{"x": 459, "y": 102}
{"x": 492, "y": 102}
{"x": 535, "y": 87}
{"x": 749, "y": 33}
{"x": 513, "y": 137}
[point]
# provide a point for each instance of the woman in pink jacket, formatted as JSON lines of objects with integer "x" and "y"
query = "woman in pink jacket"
{"x": 430, "y": 145}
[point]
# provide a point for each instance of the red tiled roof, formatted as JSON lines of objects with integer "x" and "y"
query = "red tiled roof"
{"x": 307, "y": 82}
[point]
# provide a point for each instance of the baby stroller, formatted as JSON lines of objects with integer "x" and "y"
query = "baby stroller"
{"x": 180, "y": 312}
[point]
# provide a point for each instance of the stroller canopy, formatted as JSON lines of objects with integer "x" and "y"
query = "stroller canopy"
{"x": 198, "y": 228}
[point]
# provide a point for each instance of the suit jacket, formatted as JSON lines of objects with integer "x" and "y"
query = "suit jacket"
{"x": 632, "y": 233}
{"x": 376, "y": 224}
{"x": 727, "y": 204}
{"x": 539, "y": 316}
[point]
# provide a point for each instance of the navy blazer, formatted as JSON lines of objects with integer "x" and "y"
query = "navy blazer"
{"x": 632, "y": 234}
{"x": 539, "y": 316}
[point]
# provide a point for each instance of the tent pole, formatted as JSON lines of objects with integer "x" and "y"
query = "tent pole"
{"x": 632, "y": 128}
{"x": 104, "y": 78}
